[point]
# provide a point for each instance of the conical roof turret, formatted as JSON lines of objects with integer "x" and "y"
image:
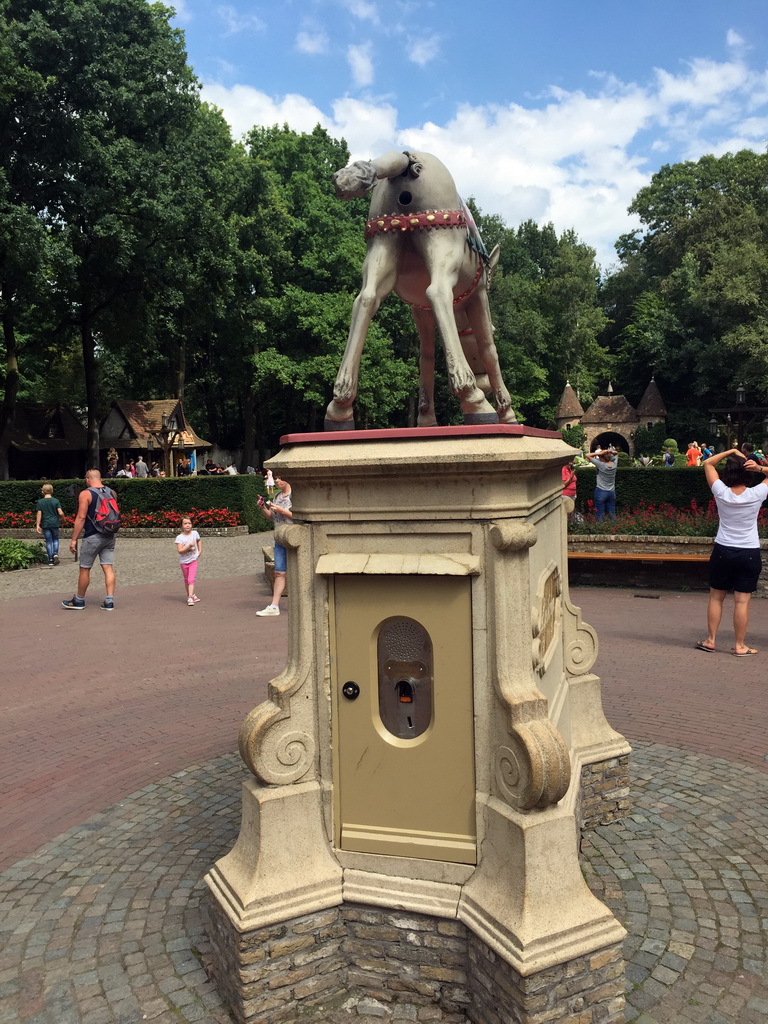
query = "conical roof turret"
{"x": 652, "y": 404}
{"x": 569, "y": 406}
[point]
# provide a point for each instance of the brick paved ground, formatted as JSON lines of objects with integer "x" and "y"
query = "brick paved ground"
{"x": 95, "y": 705}
{"x": 101, "y": 924}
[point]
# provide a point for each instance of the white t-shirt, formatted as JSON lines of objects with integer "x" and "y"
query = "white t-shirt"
{"x": 738, "y": 515}
{"x": 185, "y": 557}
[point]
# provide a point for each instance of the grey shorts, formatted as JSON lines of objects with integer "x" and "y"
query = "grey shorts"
{"x": 97, "y": 544}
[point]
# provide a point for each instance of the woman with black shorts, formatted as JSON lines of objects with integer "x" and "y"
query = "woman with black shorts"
{"x": 735, "y": 561}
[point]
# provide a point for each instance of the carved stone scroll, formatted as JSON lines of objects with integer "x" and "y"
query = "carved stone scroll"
{"x": 532, "y": 763}
{"x": 535, "y": 769}
{"x": 277, "y": 739}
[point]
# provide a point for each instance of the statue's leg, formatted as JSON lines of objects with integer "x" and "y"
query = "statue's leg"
{"x": 379, "y": 273}
{"x": 470, "y": 350}
{"x": 479, "y": 316}
{"x": 444, "y": 253}
{"x": 426, "y": 326}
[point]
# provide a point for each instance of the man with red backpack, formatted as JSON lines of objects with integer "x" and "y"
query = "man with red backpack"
{"x": 98, "y": 520}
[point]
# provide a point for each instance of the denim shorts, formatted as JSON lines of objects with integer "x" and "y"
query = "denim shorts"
{"x": 281, "y": 562}
{"x": 97, "y": 544}
{"x": 734, "y": 568}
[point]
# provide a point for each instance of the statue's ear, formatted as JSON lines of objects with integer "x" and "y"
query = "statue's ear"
{"x": 493, "y": 259}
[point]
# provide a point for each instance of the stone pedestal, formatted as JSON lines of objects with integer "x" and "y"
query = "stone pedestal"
{"x": 428, "y": 572}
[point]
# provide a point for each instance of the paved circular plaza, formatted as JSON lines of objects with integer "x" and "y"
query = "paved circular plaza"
{"x": 122, "y": 787}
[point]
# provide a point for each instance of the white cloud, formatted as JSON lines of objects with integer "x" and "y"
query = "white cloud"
{"x": 361, "y": 64}
{"x": 706, "y": 82}
{"x": 424, "y": 50}
{"x": 235, "y": 22}
{"x": 245, "y": 107}
{"x": 734, "y": 40}
{"x": 577, "y": 159}
{"x": 368, "y": 127}
{"x": 312, "y": 42}
{"x": 365, "y": 10}
{"x": 183, "y": 13}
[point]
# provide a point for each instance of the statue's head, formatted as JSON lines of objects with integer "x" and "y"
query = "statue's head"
{"x": 354, "y": 180}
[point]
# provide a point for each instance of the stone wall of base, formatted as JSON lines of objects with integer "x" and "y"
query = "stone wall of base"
{"x": 272, "y": 974}
{"x": 587, "y": 990}
{"x": 400, "y": 966}
{"x": 604, "y": 795}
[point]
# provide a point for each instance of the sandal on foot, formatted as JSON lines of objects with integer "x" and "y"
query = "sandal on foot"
{"x": 744, "y": 654}
{"x": 703, "y": 647}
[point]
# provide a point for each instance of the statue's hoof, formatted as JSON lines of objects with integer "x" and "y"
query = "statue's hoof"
{"x": 480, "y": 417}
{"x": 338, "y": 424}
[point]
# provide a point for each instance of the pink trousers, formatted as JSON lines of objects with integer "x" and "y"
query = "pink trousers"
{"x": 189, "y": 572}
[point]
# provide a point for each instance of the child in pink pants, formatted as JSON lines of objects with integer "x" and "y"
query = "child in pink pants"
{"x": 190, "y": 547}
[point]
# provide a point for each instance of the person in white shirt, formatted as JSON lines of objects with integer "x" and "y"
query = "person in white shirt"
{"x": 279, "y": 511}
{"x": 735, "y": 562}
{"x": 190, "y": 547}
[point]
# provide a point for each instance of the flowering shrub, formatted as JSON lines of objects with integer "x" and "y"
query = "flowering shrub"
{"x": 166, "y": 518}
{"x": 17, "y": 520}
{"x": 171, "y": 519}
{"x": 660, "y": 520}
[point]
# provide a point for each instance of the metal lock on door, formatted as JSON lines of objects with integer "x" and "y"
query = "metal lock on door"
{"x": 405, "y": 670}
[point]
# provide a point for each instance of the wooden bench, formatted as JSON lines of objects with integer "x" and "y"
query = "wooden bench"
{"x": 626, "y": 556}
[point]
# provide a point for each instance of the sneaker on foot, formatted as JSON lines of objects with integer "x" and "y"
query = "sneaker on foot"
{"x": 195, "y": 598}
{"x": 269, "y": 610}
{"x": 107, "y": 606}
{"x": 190, "y": 602}
{"x": 74, "y": 602}
{"x": 50, "y": 565}
{"x": 55, "y": 559}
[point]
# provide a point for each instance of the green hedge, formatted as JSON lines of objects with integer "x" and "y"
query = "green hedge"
{"x": 673, "y": 486}
{"x": 236, "y": 493}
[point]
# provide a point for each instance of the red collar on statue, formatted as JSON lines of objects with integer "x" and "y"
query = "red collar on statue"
{"x": 415, "y": 221}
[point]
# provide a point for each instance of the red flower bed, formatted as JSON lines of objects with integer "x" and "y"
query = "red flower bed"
{"x": 171, "y": 519}
{"x": 660, "y": 520}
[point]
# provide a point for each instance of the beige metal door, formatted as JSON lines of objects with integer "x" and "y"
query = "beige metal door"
{"x": 405, "y": 752}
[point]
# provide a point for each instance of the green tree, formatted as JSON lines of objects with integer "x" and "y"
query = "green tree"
{"x": 544, "y": 304}
{"x": 690, "y": 301}
{"x": 112, "y": 89}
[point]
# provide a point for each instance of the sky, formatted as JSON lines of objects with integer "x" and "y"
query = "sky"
{"x": 555, "y": 111}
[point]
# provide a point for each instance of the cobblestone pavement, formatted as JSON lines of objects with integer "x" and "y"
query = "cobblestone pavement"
{"x": 103, "y": 925}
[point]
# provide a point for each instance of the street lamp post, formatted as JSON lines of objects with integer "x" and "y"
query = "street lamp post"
{"x": 745, "y": 416}
{"x": 166, "y": 436}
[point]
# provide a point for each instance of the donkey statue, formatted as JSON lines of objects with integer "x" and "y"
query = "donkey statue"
{"x": 424, "y": 246}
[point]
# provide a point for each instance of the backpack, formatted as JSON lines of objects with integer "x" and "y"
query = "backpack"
{"x": 106, "y": 514}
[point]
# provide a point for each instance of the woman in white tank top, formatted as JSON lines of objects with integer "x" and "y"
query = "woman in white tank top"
{"x": 735, "y": 562}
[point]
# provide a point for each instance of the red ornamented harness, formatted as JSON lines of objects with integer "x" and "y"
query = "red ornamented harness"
{"x": 432, "y": 219}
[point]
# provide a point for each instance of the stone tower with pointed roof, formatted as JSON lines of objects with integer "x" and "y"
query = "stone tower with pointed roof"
{"x": 611, "y": 420}
{"x": 569, "y": 410}
{"x": 651, "y": 409}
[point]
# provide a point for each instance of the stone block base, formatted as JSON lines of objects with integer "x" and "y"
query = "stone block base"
{"x": 274, "y": 973}
{"x": 400, "y": 966}
{"x": 604, "y": 793}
